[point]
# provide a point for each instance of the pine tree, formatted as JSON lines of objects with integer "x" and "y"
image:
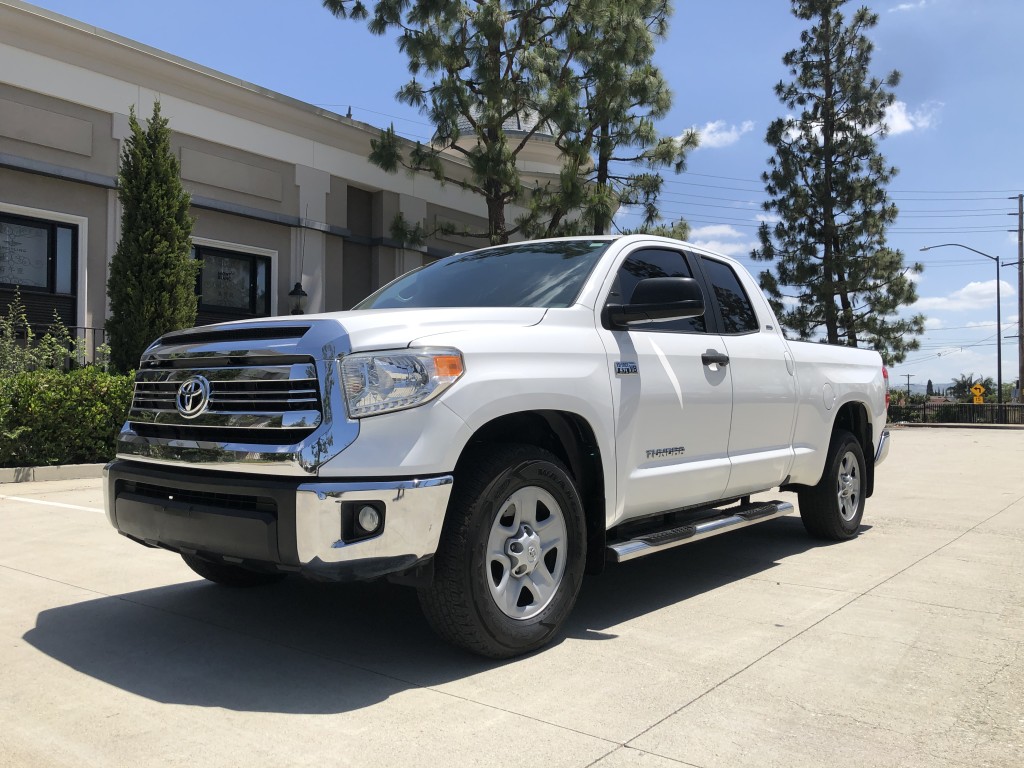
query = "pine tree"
{"x": 613, "y": 157}
{"x": 578, "y": 71}
{"x": 152, "y": 283}
{"x": 930, "y": 389}
{"x": 826, "y": 185}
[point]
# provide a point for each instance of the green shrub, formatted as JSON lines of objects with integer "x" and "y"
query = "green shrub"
{"x": 52, "y": 417}
{"x": 21, "y": 349}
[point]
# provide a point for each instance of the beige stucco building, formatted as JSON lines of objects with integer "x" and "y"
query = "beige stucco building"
{"x": 282, "y": 191}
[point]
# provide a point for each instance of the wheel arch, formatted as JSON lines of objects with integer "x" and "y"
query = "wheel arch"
{"x": 571, "y": 438}
{"x": 853, "y": 418}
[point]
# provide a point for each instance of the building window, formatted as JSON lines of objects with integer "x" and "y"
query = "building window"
{"x": 232, "y": 285}
{"x": 37, "y": 255}
{"x": 39, "y": 258}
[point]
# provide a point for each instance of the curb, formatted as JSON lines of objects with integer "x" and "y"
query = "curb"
{"x": 62, "y": 472}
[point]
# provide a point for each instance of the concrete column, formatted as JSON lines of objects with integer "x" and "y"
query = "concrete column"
{"x": 308, "y": 242}
{"x": 414, "y": 209}
{"x": 120, "y": 130}
{"x": 383, "y": 258}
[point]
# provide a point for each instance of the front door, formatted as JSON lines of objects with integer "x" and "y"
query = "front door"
{"x": 672, "y": 410}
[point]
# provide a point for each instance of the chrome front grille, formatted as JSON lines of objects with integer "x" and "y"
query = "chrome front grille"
{"x": 253, "y": 393}
{"x": 233, "y": 396}
{"x": 255, "y": 397}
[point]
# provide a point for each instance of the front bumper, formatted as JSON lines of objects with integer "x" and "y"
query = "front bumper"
{"x": 278, "y": 523}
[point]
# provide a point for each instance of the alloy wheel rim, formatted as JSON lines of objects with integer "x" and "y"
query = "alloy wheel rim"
{"x": 526, "y": 553}
{"x": 848, "y": 486}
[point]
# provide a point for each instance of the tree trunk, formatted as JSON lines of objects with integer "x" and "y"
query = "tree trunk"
{"x": 601, "y": 222}
{"x": 496, "y": 230}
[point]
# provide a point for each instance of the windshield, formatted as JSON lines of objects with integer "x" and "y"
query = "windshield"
{"x": 547, "y": 274}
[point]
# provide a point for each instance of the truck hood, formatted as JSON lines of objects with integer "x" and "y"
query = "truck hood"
{"x": 395, "y": 328}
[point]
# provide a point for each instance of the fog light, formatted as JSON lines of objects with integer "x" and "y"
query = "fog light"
{"x": 362, "y": 520}
{"x": 369, "y": 519}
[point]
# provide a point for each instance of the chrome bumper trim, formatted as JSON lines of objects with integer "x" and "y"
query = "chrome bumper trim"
{"x": 414, "y": 514}
{"x": 287, "y": 460}
{"x": 883, "y": 447}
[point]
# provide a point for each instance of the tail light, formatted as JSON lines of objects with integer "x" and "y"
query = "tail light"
{"x": 885, "y": 376}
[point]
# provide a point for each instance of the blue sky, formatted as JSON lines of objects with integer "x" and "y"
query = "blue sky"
{"x": 955, "y": 135}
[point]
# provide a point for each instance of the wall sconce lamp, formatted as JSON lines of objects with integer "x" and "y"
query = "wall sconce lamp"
{"x": 298, "y": 299}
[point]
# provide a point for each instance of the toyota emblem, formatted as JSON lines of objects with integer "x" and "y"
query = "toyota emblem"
{"x": 193, "y": 396}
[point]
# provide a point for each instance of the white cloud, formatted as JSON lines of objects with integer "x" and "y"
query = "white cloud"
{"x": 768, "y": 218}
{"x": 899, "y": 119}
{"x": 627, "y": 216}
{"x": 716, "y": 134}
{"x": 909, "y": 6}
{"x": 722, "y": 238}
{"x": 714, "y": 230}
{"x": 933, "y": 323}
{"x": 727, "y": 247}
{"x": 973, "y": 296}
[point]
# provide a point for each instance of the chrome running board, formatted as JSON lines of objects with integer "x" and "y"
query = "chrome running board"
{"x": 728, "y": 520}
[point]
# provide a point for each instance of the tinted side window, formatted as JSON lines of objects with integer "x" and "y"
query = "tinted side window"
{"x": 653, "y": 262}
{"x": 737, "y": 314}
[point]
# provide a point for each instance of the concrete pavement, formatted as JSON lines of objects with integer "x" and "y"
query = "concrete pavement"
{"x": 758, "y": 648}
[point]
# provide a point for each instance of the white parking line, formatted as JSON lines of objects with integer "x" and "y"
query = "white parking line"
{"x": 50, "y": 503}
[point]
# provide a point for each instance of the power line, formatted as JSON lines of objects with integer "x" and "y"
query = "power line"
{"x": 897, "y": 191}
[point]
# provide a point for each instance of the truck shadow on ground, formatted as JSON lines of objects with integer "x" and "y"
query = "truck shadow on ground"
{"x": 301, "y": 647}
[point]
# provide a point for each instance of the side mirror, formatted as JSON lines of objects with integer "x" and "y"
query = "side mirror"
{"x": 657, "y": 299}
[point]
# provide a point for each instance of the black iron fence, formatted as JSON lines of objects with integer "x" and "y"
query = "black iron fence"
{"x": 92, "y": 339}
{"x": 957, "y": 413}
{"x": 84, "y": 344}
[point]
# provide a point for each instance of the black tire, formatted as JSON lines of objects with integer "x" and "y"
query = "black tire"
{"x": 501, "y": 500}
{"x": 834, "y": 507}
{"x": 228, "y": 574}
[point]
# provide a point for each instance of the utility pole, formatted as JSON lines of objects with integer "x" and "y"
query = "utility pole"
{"x": 909, "y": 377}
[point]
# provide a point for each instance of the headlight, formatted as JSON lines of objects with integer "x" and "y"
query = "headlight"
{"x": 381, "y": 382}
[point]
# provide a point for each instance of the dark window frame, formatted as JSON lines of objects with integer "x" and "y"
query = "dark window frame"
{"x": 51, "y": 228}
{"x": 254, "y": 259}
{"x": 710, "y": 320}
{"x": 710, "y": 291}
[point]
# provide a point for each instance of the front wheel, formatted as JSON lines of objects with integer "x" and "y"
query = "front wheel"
{"x": 834, "y": 507}
{"x": 512, "y": 553}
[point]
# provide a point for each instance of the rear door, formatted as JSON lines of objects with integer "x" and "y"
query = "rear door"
{"x": 672, "y": 410}
{"x": 763, "y": 381}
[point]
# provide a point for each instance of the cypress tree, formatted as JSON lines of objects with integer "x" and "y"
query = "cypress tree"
{"x": 826, "y": 184}
{"x": 152, "y": 283}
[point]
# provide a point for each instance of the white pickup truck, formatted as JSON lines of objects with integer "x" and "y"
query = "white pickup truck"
{"x": 491, "y": 426}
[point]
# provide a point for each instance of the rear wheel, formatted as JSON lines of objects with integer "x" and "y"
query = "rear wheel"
{"x": 834, "y": 507}
{"x": 228, "y": 574}
{"x": 511, "y": 558}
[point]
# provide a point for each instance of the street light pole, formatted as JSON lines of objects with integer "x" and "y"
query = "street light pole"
{"x": 999, "y": 315}
{"x": 1020, "y": 298}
